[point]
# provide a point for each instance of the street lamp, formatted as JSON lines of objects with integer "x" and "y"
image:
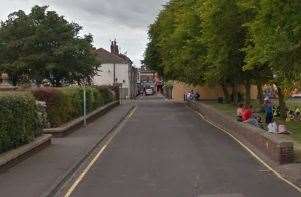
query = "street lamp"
{"x": 85, "y": 104}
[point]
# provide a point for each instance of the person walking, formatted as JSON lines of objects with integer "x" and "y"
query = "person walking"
{"x": 268, "y": 108}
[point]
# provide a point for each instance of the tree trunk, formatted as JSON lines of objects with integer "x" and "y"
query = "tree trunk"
{"x": 248, "y": 92}
{"x": 235, "y": 94}
{"x": 226, "y": 93}
{"x": 282, "y": 104}
{"x": 260, "y": 92}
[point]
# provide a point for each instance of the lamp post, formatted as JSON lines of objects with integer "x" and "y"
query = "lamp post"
{"x": 85, "y": 104}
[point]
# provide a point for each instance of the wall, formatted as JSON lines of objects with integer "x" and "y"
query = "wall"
{"x": 106, "y": 74}
{"x": 207, "y": 93}
{"x": 133, "y": 82}
{"x": 273, "y": 146}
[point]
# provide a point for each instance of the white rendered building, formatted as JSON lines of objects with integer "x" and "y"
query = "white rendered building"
{"x": 116, "y": 69}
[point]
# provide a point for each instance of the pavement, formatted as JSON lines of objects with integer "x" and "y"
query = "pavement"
{"x": 39, "y": 174}
{"x": 166, "y": 150}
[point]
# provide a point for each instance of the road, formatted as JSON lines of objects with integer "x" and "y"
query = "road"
{"x": 166, "y": 150}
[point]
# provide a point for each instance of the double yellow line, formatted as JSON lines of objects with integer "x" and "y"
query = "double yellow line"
{"x": 92, "y": 162}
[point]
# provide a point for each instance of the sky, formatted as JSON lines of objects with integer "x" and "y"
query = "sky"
{"x": 125, "y": 20}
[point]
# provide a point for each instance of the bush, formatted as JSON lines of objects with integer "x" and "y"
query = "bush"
{"x": 65, "y": 104}
{"x": 19, "y": 121}
{"x": 110, "y": 92}
{"x": 106, "y": 94}
{"x": 58, "y": 106}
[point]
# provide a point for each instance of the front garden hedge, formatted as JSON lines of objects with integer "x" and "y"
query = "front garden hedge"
{"x": 19, "y": 121}
{"x": 66, "y": 104}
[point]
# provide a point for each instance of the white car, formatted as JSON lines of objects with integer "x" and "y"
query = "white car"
{"x": 149, "y": 91}
{"x": 297, "y": 95}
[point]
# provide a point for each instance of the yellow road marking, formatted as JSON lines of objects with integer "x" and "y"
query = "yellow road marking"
{"x": 251, "y": 152}
{"x": 86, "y": 170}
{"x": 132, "y": 113}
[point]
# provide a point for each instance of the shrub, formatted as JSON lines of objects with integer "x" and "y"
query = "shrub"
{"x": 107, "y": 94}
{"x": 59, "y": 108}
{"x": 65, "y": 104}
{"x": 19, "y": 121}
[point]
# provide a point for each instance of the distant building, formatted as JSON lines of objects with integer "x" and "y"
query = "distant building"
{"x": 145, "y": 75}
{"x": 115, "y": 69}
{"x": 149, "y": 78}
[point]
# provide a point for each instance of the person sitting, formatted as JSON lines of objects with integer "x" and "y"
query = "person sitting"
{"x": 259, "y": 120}
{"x": 191, "y": 95}
{"x": 239, "y": 112}
{"x": 247, "y": 113}
{"x": 188, "y": 96}
{"x": 290, "y": 116}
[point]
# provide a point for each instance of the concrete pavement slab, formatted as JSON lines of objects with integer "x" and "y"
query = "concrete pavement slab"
{"x": 37, "y": 175}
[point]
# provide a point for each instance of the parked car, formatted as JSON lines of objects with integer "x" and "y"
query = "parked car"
{"x": 297, "y": 95}
{"x": 149, "y": 91}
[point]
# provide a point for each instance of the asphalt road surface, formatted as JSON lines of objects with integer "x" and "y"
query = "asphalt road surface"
{"x": 165, "y": 150}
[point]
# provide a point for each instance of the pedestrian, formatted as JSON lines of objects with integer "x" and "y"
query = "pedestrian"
{"x": 268, "y": 108}
{"x": 144, "y": 91}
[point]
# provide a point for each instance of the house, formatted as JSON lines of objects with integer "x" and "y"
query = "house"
{"x": 115, "y": 69}
{"x": 147, "y": 77}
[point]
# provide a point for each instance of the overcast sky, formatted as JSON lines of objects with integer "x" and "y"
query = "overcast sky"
{"x": 125, "y": 20}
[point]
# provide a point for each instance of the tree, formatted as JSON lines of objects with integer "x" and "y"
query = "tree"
{"x": 225, "y": 37}
{"x": 175, "y": 47}
{"x": 276, "y": 37}
{"x": 43, "y": 45}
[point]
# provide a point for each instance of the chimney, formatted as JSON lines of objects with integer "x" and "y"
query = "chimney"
{"x": 114, "y": 48}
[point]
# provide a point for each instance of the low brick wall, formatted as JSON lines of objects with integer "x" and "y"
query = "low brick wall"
{"x": 12, "y": 157}
{"x": 77, "y": 123}
{"x": 278, "y": 149}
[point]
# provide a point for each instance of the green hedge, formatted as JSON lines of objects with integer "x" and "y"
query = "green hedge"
{"x": 65, "y": 104}
{"x": 19, "y": 121}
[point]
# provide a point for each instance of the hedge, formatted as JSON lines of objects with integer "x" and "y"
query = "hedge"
{"x": 19, "y": 121}
{"x": 65, "y": 104}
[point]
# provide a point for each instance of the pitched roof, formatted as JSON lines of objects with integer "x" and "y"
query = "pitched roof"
{"x": 105, "y": 57}
{"x": 126, "y": 58}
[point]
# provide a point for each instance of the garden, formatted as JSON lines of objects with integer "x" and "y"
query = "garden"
{"x": 24, "y": 114}
{"x": 293, "y": 126}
